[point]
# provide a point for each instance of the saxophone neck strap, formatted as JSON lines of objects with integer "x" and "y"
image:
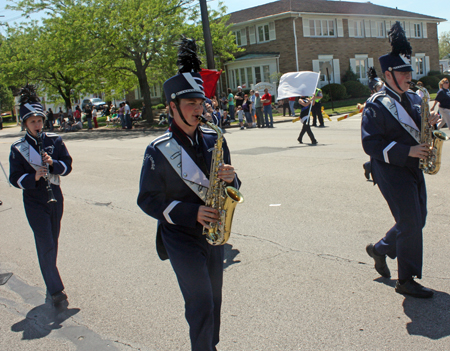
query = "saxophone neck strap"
{"x": 185, "y": 167}
{"x": 399, "y": 113}
{"x": 34, "y": 159}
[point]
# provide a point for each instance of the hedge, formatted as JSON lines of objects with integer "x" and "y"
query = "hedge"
{"x": 432, "y": 81}
{"x": 338, "y": 91}
{"x": 356, "y": 89}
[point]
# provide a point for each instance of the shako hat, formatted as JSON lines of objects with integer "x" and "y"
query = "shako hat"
{"x": 187, "y": 83}
{"x": 374, "y": 81}
{"x": 29, "y": 103}
{"x": 399, "y": 59}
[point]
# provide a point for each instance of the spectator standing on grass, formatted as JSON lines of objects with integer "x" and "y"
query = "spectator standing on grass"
{"x": 247, "y": 107}
{"x": 267, "y": 106}
{"x": 50, "y": 118}
{"x": 127, "y": 112}
{"x": 231, "y": 104}
{"x": 239, "y": 97}
{"x": 259, "y": 110}
{"x": 94, "y": 117}
{"x": 88, "y": 112}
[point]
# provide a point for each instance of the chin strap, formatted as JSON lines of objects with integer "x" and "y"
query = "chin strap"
{"x": 396, "y": 83}
{"x": 179, "y": 112}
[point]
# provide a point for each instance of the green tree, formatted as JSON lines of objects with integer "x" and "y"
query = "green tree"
{"x": 135, "y": 37}
{"x": 47, "y": 54}
{"x": 444, "y": 45}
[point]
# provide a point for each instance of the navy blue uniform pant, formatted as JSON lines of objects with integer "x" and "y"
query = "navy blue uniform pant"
{"x": 405, "y": 192}
{"x": 199, "y": 270}
{"x": 45, "y": 221}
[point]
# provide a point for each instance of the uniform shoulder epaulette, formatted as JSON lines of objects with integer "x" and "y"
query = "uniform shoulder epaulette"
{"x": 52, "y": 135}
{"x": 19, "y": 141}
{"x": 380, "y": 94}
{"x": 160, "y": 139}
{"x": 207, "y": 130}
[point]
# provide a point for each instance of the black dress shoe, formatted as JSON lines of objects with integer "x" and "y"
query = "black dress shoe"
{"x": 301, "y": 142}
{"x": 412, "y": 288}
{"x": 367, "y": 168}
{"x": 59, "y": 297}
{"x": 380, "y": 262}
{"x": 314, "y": 142}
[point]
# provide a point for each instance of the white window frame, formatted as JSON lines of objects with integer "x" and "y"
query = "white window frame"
{"x": 381, "y": 29}
{"x": 236, "y": 78}
{"x": 321, "y": 26}
{"x": 263, "y": 26}
{"x": 358, "y": 24}
{"x": 237, "y": 35}
{"x": 417, "y": 31}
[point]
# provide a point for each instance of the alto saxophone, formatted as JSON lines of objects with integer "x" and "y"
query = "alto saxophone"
{"x": 431, "y": 136}
{"x": 219, "y": 196}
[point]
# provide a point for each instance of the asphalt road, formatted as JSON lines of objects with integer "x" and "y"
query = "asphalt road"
{"x": 297, "y": 276}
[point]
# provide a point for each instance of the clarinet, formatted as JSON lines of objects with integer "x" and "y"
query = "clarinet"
{"x": 51, "y": 197}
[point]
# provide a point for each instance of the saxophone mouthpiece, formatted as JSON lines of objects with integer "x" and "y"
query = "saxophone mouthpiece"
{"x": 202, "y": 119}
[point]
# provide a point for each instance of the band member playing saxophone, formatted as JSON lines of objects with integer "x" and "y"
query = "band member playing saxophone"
{"x": 173, "y": 186}
{"x": 390, "y": 131}
{"x": 34, "y": 171}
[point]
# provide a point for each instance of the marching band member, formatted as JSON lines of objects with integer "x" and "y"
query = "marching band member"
{"x": 391, "y": 137}
{"x": 38, "y": 174}
{"x": 173, "y": 184}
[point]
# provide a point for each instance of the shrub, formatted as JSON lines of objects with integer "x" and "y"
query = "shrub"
{"x": 432, "y": 81}
{"x": 349, "y": 76}
{"x": 434, "y": 73}
{"x": 158, "y": 107}
{"x": 337, "y": 91}
{"x": 356, "y": 89}
{"x": 326, "y": 97}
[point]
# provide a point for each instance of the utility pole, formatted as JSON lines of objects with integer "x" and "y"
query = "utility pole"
{"x": 207, "y": 35}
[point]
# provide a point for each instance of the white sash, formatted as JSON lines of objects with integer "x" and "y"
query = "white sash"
{"x": 185, "y": 167}
{"x": 34, "y": 159}
{"x": 400, "y": 114}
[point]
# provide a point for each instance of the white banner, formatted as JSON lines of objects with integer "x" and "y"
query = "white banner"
{"x": 297, "y": 84}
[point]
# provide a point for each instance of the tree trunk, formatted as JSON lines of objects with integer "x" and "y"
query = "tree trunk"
{"x": 145, "y": 89}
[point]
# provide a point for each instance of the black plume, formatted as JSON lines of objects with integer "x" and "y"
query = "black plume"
{"x": 28, "y": 94}
{"x": 372, "y": 74}
{"x": 187, "y": 56}
{"x": 397, "y": 38}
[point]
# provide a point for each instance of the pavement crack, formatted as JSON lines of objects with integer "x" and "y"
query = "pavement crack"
{"x": 125, "y": 344}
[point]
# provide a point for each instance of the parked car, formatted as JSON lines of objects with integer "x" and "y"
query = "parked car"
{"x": 98, "y": 103}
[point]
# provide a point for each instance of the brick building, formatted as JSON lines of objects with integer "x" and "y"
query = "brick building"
{"x": 303, "y": 35}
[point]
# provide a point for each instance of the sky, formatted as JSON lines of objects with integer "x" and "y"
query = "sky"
{"x": 435, "y": 8}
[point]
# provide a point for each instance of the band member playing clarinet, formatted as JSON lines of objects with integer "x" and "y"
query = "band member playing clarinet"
{"x": 390, "y": 131}
{"x": 36, "y": 163}
{"x": 173, "y": 184}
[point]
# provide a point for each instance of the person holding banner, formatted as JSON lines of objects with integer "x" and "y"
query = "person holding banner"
{"x": 304, "y": 117}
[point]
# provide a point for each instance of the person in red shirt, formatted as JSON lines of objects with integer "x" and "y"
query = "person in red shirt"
{"x": 267, "y": 106}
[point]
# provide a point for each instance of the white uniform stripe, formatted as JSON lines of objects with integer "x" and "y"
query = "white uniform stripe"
{"x": 19, "y": 182}
{"x": 386, "y": 150}
{"x": 191, "y": 80}
{"x": 168, "y": 209}
{"x": 65, "y": 167}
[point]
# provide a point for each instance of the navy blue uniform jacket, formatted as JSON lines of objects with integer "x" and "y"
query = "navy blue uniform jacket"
{"x": 22, "y": 174}
{"x": 164, "y": 196}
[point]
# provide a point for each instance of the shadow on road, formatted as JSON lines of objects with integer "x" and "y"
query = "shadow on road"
{"x": 230, "y": 255}
{"x": 42, "y": 320}
{"x": 429, "y": 317}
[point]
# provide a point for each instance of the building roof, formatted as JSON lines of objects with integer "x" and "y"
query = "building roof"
{"x": 323, "y": 7}
{"x": 255, "y": 56}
